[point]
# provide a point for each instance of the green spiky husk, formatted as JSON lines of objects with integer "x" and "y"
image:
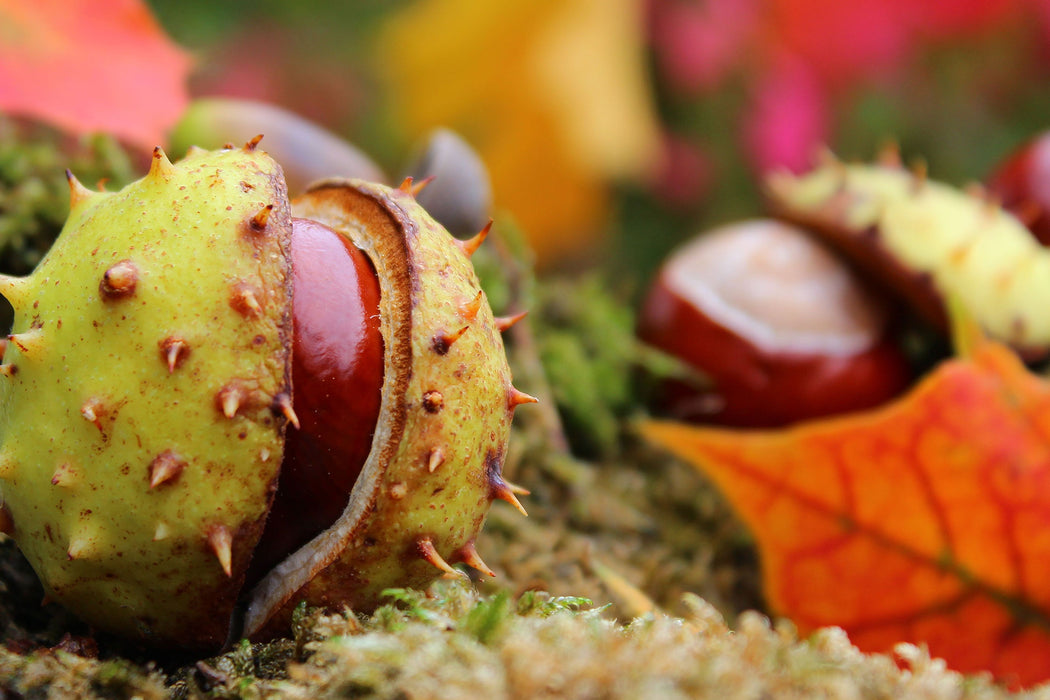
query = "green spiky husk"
{"x": 92, "y": 402}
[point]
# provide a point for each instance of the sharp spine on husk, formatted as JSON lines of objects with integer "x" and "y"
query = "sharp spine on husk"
{"x": 471, "y": 245}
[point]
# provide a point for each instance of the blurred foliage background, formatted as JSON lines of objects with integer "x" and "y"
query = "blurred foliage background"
{"x": 615, "y": 129}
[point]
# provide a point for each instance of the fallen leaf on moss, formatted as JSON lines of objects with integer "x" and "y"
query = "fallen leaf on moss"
{"x": 925, "y": 521}
{"x": 88, "y": 66}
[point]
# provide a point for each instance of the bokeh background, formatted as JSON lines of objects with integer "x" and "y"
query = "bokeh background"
{"x": 614, "y": 129}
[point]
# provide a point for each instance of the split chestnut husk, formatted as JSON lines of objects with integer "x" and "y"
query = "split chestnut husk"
{"x": 928, "y": 242}
{"x": 191, "y": 367}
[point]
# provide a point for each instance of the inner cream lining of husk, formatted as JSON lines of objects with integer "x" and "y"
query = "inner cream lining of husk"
{"x": 385, "y": 246}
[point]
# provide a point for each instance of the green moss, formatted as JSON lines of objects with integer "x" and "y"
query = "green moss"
{"x": 452, "y": 642}
{"x": 556, "y": 652}
{"x": 60, "y": 674}
{"x": 485, "y": 621}
{"x": 34, "y": 194}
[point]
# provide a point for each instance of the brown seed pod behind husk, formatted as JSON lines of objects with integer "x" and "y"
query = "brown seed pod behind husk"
{"x": 927, "y": 242}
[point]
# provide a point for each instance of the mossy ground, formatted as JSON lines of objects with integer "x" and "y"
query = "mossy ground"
{"x": 452, "y": 642}
{"x": 618, "y": 585}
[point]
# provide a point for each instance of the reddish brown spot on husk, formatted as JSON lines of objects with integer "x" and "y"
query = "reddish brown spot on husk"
{"x": 433, "y": 401}
{"x": 63, "y": 475}
{"x": 7, "y": 523}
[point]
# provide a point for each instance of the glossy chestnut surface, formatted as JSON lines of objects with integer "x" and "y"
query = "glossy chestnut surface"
{"x": 1022, "y": 184}
{"x": 784, "y": 331}
{"x": 337, "y": 377}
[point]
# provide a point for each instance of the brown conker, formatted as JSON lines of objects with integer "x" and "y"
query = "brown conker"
{"x": 1022, "y": 183}
{"x": 783, "y": 329}
{"x": 337, "y": 375}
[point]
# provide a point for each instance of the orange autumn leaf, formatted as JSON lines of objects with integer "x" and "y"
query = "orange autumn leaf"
{"x": 91, "y": 66}
{"x": 925, "y": 521}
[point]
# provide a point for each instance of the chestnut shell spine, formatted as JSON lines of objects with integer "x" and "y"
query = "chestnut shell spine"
{"x": 135, "y": 385}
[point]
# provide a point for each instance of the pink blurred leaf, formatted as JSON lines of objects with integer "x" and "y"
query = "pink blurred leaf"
{"x": 88, "y": 66}
{"x": 788, "y": 119}
{"x": 841, "y": 42}
{"x": 699, "y": 44}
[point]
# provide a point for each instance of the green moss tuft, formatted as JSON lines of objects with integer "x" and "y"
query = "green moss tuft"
{"x": 34, "y": 194}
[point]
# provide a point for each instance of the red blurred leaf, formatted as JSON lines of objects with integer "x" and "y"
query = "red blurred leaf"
{"x": 925, "y": 521}
{"x": 91, "y": 66}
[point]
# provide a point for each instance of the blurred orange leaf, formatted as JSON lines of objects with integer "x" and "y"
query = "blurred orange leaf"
{"x": 925, "y": 521}
{"x": 91, "y": 66}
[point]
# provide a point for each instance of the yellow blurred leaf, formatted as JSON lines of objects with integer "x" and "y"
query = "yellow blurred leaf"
{"x": 552, "y": 93}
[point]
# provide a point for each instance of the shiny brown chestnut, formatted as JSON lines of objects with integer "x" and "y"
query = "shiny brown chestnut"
{"x": 337, "y": 375}
{"x": 783, "y": 329}
{"x": 1022, "y": 183}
